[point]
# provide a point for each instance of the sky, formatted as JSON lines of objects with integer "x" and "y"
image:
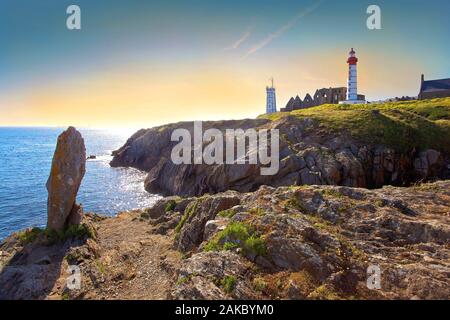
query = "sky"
{"x": 146, "y": 63}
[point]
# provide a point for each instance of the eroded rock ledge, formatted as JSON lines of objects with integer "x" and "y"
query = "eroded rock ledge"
{"x": 309, "y": 155}
{"x": 309, "y": 242}
{"x": 316, "y": 243}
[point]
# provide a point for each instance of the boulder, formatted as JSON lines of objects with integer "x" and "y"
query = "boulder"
{"x": 67, "y": 171}
{"x": 200, "y": 277}
{"x": 197, "y": 214}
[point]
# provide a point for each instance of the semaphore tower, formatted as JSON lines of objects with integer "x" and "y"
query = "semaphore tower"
{"x": 271, "y": 103}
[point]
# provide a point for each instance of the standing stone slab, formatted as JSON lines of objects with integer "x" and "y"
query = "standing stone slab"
{"x": 68, "y": 169}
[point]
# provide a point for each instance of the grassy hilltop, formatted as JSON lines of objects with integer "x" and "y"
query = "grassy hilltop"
{"x": 401, "y": 125}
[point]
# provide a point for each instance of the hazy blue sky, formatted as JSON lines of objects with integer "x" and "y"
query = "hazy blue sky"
{"x": 179, "y": 60}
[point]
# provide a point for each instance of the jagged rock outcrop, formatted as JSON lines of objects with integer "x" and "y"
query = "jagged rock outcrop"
{"x": 318, "y": 243}
{"x": 197, "y": 214}
{"x": 307, "y": 242}
{"x": 202, "y": 276}
{"x": 308, "y": 155}
{"x": 67, "y": 171}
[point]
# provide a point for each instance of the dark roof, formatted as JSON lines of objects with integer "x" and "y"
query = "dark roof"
{"x": 297, "y": 103}
{"x": 435, "y": 85}
{"x": 290, "y": 103}
{"x": 308, "y": 97}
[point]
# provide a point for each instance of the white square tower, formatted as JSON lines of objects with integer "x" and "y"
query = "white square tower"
{"x": 271, "y": 102}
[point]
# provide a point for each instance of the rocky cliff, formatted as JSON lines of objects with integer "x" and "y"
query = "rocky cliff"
{"x": 358, "y": 146}
{"x": 308, "y": 242}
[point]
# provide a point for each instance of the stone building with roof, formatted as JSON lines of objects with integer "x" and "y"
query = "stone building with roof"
{"x": 431, "y": 89}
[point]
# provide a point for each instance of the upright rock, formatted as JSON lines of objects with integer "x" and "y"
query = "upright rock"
{"x": 68, "y": 169}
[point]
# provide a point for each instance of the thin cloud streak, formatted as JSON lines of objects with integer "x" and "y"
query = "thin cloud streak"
{"x": 240, "y": 41}
{"x": 281, "y": 31}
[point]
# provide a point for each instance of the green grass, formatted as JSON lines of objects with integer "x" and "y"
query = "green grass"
{"x": 229, "y": 213}
{"x": 322, "y": 224}
{"x": 256, "y": 244}
{"x": 170, "y": 205}
{"x": 144, "y": 215}
{"x": 229, "y": 246}
{"x": 181, "y": 223}
{"x": 259, "y": 284}
{"x": 237, "y": 235}
{"x": 29, "y": 235}
{"x": 402, "y": 126}
{"x": 332, "y": 193}
{"x": 228, "y": 283}
{"x": 296, "y": 204}
{"x": 183, "y": 279}
{"x": 100, "y": 266}
{"x": 257, "y": 211}
{"x": 324, "y": 292}
{"x": 188, "y": 212}
{"x": 379, "y": 203}
{"x": 427, "y": 187}
{"x": 73, "y": 231}
{"x": 51, "y": 236}
{"x": 65, "y": 296}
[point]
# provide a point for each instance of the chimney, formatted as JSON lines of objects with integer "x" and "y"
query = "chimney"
{"x": 422, "y": 79}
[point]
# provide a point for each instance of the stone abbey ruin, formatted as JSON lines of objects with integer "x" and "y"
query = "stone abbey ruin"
{"x": 322, "y": 96}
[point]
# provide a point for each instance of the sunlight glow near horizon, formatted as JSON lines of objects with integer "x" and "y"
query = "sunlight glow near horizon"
{"x": 165, "y": 63}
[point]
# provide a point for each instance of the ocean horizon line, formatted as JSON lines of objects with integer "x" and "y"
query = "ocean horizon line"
{"x": 63, "y": 127}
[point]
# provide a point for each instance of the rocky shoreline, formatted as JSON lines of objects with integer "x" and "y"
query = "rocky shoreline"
{"x": 309, "y": 155}
{"x": 307, "y": 242}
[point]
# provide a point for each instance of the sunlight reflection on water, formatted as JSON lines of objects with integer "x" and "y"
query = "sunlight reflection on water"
{"x": 26, "y": 155}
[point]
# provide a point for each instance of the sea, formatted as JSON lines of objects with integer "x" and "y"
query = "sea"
{"x": 25, "y": 161}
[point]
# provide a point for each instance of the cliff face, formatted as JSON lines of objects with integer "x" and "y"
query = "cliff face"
{"x": 311, "y": 153}
{"x": 308, "y": 242}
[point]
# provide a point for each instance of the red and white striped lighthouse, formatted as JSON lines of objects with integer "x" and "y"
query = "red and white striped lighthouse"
{"x": 352, "y": 81}
{"x": 352, "y": 91}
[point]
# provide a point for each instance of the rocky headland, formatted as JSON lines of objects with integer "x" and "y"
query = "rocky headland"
{"x": 357, "y": 146}
{"x": 357, "y": 190}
